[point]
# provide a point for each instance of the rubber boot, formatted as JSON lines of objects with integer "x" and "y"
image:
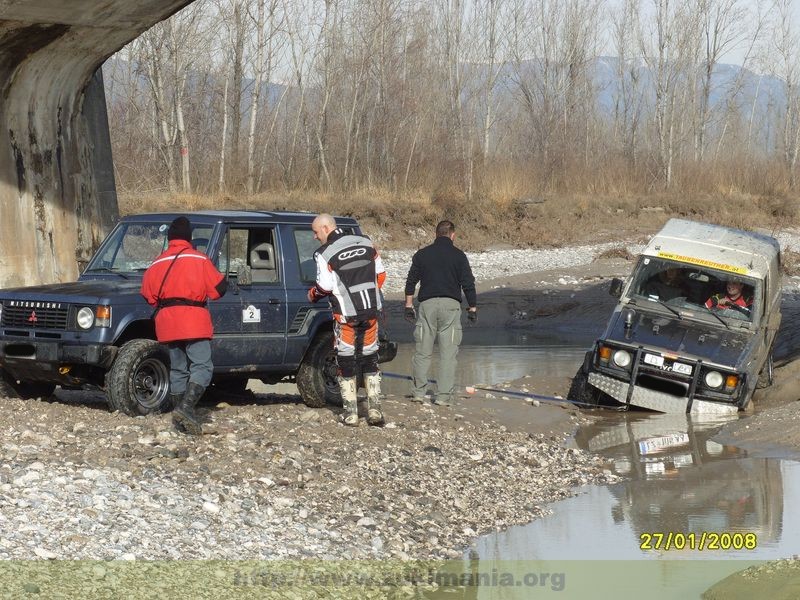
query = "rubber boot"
{"x": 175, "y": 400}
{"x": 347, "y": 385}
{"x": 184, "y": 417}
{"x": 374, "y": 411}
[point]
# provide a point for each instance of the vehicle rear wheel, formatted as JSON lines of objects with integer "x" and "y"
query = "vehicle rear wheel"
{"x": 316, "y": 377}
{"x": 24, "y": 390}
{"x": 138, "y": 381}
{"x": 581, "y": 391}
{"x": 767, "y": 375}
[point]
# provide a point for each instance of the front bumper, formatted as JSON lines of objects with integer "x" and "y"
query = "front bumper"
{"x": 654, "y": 400}
{"x": 53, "y": 361}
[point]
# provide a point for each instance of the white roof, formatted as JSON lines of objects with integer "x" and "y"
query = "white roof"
{"x": 714, "y": 246}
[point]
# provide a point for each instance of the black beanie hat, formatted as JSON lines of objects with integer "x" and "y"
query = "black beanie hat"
{"x": 180, "y": 229}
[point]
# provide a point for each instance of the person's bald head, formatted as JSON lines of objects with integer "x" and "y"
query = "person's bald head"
{"x": 322, "y": 225}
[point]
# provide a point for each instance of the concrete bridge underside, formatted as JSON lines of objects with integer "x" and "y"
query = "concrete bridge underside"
{"x": 57, "y": 195}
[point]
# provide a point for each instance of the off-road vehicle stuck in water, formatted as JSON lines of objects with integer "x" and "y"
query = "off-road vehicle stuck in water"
{"x": 98, "y": 333}
{"x": 695, "y": 324}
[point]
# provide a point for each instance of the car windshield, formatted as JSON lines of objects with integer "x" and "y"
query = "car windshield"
{"x": 131, "y": 247}
{"x": 696, "y": 291}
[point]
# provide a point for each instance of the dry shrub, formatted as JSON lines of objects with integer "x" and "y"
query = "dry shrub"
{"x": 165, "y": 202}
{"x": 780, "y": 206}
{"x": 507, "y": 214}
{"x": 504, "y": 186}
{"x": 616, "y": 252}
{"x": 790, "y": 262}
{"x": 449, "y": 198}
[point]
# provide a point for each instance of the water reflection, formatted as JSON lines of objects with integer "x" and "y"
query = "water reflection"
{"x": 682, "y": 481}
{"x": 656, "y": 446}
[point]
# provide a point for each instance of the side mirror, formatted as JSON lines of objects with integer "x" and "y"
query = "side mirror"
{"x": 244, "y": 276}
{"x": 616, "y": 287}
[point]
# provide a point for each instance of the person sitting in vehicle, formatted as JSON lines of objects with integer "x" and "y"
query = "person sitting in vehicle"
{"x": 666, "y": 285}
{"x": 733, "y": 298}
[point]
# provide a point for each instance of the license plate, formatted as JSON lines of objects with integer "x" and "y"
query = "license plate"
{"x": 654, "y": 359}
{"x": 654, "y": 445}
{"x": 682, "y": 368}
{"x": 676, "y": 367}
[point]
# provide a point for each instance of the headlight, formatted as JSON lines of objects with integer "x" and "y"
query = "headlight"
{"x": 85, "y": 318}
{"x": 714, "y": 379}
{"x": 622, "y": 358}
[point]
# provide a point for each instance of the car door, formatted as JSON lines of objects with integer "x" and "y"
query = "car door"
{"x": 301, "y": 273}
{"x": 252, "y": 314}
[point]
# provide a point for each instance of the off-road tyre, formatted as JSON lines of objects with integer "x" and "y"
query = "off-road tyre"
{"x": 767, "y": 375}
{"x": 581, "y": 392}
{"x": 24, "y": 390}
{"x": 138, "y": 381}
{"x": 316, "y": 377}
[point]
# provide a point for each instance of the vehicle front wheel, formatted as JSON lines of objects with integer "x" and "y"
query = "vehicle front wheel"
{"x": 581, "y": 392}
{"x": 24, "y": 390}
{"x": 767, "y": 375}
{"x": 316, "y": 377}
{"x": 138, "y": 381}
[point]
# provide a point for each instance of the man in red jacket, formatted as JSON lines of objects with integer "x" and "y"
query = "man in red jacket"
{"x": 179, "y": 283}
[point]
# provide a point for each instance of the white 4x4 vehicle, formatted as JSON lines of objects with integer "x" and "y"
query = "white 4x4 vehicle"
{"x": 695, "y": 324}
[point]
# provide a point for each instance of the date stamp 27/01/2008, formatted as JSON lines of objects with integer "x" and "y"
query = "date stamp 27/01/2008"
{"x": 706, "y": 540}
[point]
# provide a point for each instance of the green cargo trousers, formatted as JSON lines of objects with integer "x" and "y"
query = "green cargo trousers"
{"x": 437, "y": 319}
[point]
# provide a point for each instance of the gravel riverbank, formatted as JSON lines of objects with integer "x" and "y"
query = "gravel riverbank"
{"x": 273, "y": 479}
{"x": 270, "y": 479}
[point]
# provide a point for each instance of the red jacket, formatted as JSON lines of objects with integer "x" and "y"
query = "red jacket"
{"x": 193, "y": 279}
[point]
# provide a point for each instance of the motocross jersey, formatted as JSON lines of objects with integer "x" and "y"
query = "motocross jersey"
{"x": 350, "y": 272}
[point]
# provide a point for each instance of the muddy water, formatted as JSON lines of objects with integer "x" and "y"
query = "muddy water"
{"x": 678, "y": 480}
{"x": 503, "y": 356}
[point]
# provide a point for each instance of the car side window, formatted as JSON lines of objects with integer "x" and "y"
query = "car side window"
{"x": 250, "y": 255}
{"x": 306, "y": 246}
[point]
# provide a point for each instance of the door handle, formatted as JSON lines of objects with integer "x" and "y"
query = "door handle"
{"x": 273, "y": 301}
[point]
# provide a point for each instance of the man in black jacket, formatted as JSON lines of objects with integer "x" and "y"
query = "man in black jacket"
{"x": 443, "y": 272}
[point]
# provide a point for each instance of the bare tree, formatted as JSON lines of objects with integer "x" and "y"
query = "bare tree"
{"x": 786, "y": 46}
{"x": 488, "y": 16}
{"x": 258, "y": 79}
{"x": 669, "y": 46}
{"x": 325, "y": 52}
{"x": 152, "y": 45}
{"x": 453, "y": 52}
{"x": 628, "y": 100}
{"x": 722, "y": 27}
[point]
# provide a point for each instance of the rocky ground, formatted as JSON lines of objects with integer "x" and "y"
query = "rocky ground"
{"x": 269, "y": 479}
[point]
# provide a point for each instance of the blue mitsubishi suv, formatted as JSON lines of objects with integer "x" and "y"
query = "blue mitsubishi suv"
{"x": 98, "y": 333}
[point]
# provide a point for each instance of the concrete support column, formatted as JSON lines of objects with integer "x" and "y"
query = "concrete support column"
{"x": 57, "y": 195}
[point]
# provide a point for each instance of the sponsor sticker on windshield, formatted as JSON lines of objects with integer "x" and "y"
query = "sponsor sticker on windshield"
{"x": 703, "y": 262}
